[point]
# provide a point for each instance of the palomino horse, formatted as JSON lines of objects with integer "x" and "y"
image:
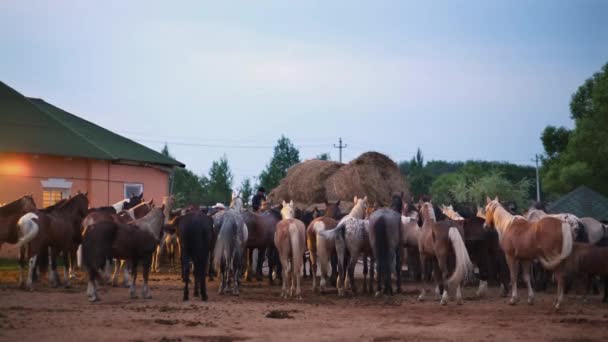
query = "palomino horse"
{"x": 9, "y": 216}
{"x": 438, "y": 241}
{"x": 58, "y": 228}
{"x": 196, "y": 231}
{"x": 549, "y": 240}
{"x": 483, "y": 248}
{"x": 230, "y": 246}
{"x": 290, "y": 241}
{"x": 134, "y": 242}
{"x": 587, "y": 260}
{"x": 385, "y": 239}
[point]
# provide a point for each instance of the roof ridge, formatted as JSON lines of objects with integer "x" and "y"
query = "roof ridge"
{"x": 68, "y": 127}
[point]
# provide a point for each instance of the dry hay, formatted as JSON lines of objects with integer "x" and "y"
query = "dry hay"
{"x": 372, "y": 174}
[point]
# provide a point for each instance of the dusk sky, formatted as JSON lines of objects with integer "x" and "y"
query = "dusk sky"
{"x": 459, "y": 79}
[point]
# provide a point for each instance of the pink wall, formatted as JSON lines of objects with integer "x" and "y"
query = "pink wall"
{"x": 21, "y": 174}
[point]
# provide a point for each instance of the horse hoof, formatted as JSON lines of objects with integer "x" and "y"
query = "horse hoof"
{"x": 530, "y": 301}
{"x": 378, "y": 294}
{"x": 460, "y": 301}
{"x": 204, "y": 298}
{"x": 443, "y": 302}
{"x": 512, "y": 301}
{"x": 399, "y": 290}
{"x": 94, "y": 299}
{"x": 421, "y": 298}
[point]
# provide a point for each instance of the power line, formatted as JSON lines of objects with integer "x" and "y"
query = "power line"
{"x": 340, "y": 147}
{"x": 195, "y": 144}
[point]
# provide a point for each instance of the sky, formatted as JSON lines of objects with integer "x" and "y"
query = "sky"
{"x": 460, "y": 80}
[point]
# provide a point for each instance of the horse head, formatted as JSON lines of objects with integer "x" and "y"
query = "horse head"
{"x": 288, "y": 211}
{"x": 397, "y": 202}
{"x": 491, "y": 206}
{"x": 332, "y": 209}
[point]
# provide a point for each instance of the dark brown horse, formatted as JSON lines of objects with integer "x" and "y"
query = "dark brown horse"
{"x": 9, "y": 216}
{"x": 57, "y": 228}
{"x": 587, "y": 261}
{"x": 261, "y": 229}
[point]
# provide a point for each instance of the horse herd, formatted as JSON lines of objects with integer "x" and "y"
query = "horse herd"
{"x": 438, "y": 243}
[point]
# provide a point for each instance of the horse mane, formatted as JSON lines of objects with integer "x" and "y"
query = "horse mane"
{"x": 52, "y": 207}
{"x": 13, "y": 206}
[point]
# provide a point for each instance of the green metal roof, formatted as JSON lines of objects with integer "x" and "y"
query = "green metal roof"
{"x": 34, "y": 126}
{"x": 582, "y": 202}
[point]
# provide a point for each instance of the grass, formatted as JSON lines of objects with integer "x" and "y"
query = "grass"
{"x": 9, "y": 264}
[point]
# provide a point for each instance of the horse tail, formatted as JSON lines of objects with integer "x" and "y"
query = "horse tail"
{"x": 218, "y": 253}
{"x": 29, "y": 227}
{"x": 567, "y": 242}
{"x": 382, "y": 249}
{"x": 332, "y": 234}
{"x": 463, "y": 262}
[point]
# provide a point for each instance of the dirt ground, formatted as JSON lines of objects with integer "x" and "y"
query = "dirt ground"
{"x": 259, "y": 313}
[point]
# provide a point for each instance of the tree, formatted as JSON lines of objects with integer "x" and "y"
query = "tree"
{"x": 416, "y": 175}
{"x": 285, "y": 155}
{"x": 187, "y": 187}
{"x": 324, "y": 156}
{"x": 246, "y": 190}
{"x": 580, "y": 156}
{"x": 219, "y": 182}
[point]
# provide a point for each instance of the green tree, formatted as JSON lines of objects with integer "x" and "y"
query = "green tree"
{"x": 580, "y": 156}
{"x": 416, "y": 175}
{"x": 187, "y": 187}
{"x": 219, "y": 183}
{"x": 324, "y": 156}
{"x": 246, "y": 190}
{"x": 285, "y": 155}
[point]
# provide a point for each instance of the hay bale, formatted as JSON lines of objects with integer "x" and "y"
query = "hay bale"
{"x": 372, "y": 174}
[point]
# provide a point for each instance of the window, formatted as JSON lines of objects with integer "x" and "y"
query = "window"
{"x": 52, "y": 196}
{"x": 133, "y": 189}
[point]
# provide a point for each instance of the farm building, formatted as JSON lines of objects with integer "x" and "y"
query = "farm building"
{"x": 582, "y": 202}
{"x": 51, "y": 154}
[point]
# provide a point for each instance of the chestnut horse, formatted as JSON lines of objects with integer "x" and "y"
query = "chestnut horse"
{"x": 321, "y": 249}
{"x": 549, "y": 239}
{"x": 9, "y": 216}
{"x": 290, "y": 241}
{"x": 438, "y": 241}
{"x": 261, "y": 228}
{"x": 58, "y": 228}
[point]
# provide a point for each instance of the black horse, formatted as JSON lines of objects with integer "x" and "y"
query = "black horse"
{"x": 195, "y": 230}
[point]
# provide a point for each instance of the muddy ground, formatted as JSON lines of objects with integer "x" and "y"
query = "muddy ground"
{"x": 59, "y": 314}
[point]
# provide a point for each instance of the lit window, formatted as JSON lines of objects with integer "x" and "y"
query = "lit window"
{"x": 52, "y": 196}
{"x": 133, "y": 189}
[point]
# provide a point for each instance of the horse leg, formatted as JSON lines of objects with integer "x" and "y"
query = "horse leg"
{"x": 66, "y": 269}
{"x": 53, "y": 276}
{"x": 259, "y": 274}
{"x": 297, "y": 278}
{"x": 249, "y": 252}
{"x": 560, "y": 287}
{"x": 222, "y": 275}
{"x": 133, "y": 278}
{"x": 30, "y": 272}
{"x": 351, "y": 272}
{"x": 483, "y": 263}
{"x": 146, "y": 265}
{"x": 365, "y": 272}
{"x": 513, "y": 264}
{"x": 423, "y": 275}
{"x": 398, "y": 265}
{"x": 125, "y": 266}
{"x": 22, "y": 253}
{"x": 286, "y": 272}
{"x": 443, "y": 275}
{"x": 185, "y": 277}
{"x": 605, "y": 281}
{"x": 526, "y": 268}
{"x": 372, "y": 264}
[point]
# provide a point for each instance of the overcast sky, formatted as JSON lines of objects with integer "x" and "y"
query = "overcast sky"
{"x": 459, "y": 79}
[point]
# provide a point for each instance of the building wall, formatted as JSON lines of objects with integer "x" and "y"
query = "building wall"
{"x": 22, "y": 174}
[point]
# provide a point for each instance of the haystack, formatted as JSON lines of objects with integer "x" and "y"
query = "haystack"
{"x": 372, "y": 174}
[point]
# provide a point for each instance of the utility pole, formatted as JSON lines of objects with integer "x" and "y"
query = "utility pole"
{"x": 340, "y": 147}
{"x": 537, "y": 179}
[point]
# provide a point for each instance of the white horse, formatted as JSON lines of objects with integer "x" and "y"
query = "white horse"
{"x": 290, "y": 240}
{"x": 595, "y": 229}
{"x": 533, "y": 215}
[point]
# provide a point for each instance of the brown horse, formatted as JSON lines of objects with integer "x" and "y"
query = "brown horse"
{"x": 134, "y": 242}
{"x": 549, "y": 239}
{"x": 588, "y": 261}
{"x": 439, "y": 241}
{"x": 9, "y": 216}
{"x": 261, "y": 228}
{"x": 58, "y": 228}
{"x": 290, "y": 241}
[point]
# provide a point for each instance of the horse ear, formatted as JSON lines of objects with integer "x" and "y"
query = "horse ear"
{"x": 284, "y": 203}
{"x": 338, "y": 203}
{"x": 488, "y": 200}
{"x": 355, "y": 200}
{"x": 291, "y": 203}
{"x": 496, "y": 198}
{"x": 365, "y": 199}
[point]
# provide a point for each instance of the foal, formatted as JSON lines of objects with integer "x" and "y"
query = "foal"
{"x": 290, "y": 241}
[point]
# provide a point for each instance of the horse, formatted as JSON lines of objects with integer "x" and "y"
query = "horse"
{"x": 134, "y": 242}
{"x": 169, "y": 238}
{"x": 385, "y": 240}
{"x": 195, "y": 230}
{"x": 588, "y": 260}
{"x": 439, "y": 241}
{"x": 290, "y": 241}
{"x": 594, "y": 229}
{"x": 128, "y": 203}
{"x": 9, "y": 216}
{"x": 140, "y": 210}
{"x": 307, "y": 216}
{"x": 573, "y": 222}
{"x": 549, "y": 239}
{"x": 483, "y": 249}
{"x": 230, "y": 245}
{"x": 261, "y": 228}
{"x": 58, "y": 228}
